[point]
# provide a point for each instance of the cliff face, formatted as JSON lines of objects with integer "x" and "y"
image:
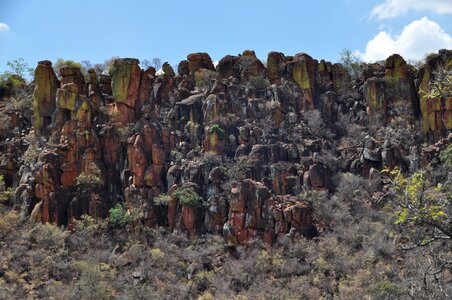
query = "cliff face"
{"x": 249, "y": 139}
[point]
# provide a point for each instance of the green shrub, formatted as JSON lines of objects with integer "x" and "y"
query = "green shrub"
{"x": 162, "y": 200}
{"x": 119, "y": 216}
{"x": 258, "y": 82}
{"x": 48, "y": 236}
{"x": 92, "y": 283}
{"x": 60, "y": 63}
{"x": 385, "y": 290}
{"x": 92, "y": 180}
{"x": 125, "y": 131}
{"x": 187, "y": 196}
{"x": 446, "y": 156}
{"x": 215, "y": 128}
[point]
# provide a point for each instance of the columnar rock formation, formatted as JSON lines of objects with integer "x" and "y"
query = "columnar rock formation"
{"x": 229, "y": 132}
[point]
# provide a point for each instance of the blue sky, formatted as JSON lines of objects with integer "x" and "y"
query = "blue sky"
{"x": 97, "y": 30}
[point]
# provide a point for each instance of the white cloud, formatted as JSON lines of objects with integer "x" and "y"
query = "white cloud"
{"x": 4, "y": 27}
{"x": 394, "y": 8}
{"x": 417, "y": 38}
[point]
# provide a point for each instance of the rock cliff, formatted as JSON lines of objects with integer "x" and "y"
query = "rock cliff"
{"x": 250, "y": 139}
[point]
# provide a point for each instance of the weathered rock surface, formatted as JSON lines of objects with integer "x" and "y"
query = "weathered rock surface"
{"x": 248, "y": 138}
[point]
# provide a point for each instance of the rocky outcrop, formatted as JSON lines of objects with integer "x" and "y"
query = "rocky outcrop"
{"x": 125, "y": 81}
{"x": 245, "y": 137}
{"x": 46, "y": 84}
{"x": 436, "y": 110}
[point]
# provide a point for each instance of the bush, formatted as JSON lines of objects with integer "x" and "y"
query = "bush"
{"x": 125, "y": 131}
{"x": 48, "y": 236}
{"x": 187, "y": 196}
{"x": 92, "y": 283}
{"x": 92, "y": 180}
{"x": 119, "y": 216}
{"x": 446, "y": 156}
{"x": 162, "y": 200}
{"x": 258, "y": 82}
{"x": 60, "y": 63}
{"x": 385, "y": 290}
{"x": 215, "y": 128}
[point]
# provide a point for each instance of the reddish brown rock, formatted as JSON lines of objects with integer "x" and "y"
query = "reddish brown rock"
{"x": 275, "y": 65}
{"x": 73, "y": 75}
{"x": 200, "y": 61}
{"x": 246, "y": 200}
{"x": 144, "y": 93}
{"x": 189, "y": 219}
{"x": 319, "y": 176}
{"x": 183, "y": 68}
{"x": 227, "y": 66}
{"x": 120, "y": 113}
{"x": 249, "y": 66}
{"x": 137, "y": 159}
{"x": 279, "y": 173}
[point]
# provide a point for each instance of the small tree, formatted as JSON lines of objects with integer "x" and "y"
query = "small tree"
{"x": 157, "y": 62}
{"x": 423, "y": 216}
{"x": 145, "y": 63}
{"x": 351, "y": 62}
{"x": 20, "y": 67}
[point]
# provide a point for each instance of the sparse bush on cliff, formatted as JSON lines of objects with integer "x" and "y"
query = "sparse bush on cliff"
{"x": 187, "y": 196}
{"x": 60, "y": 63}
{"x": 351, "y": 62}
{"x": 119, "y": 216}
{"x": 259, "y": 83}
{"x": 215, "y": 128}
{"x": 162, "y": 200}
{"x": 92, "y": 179}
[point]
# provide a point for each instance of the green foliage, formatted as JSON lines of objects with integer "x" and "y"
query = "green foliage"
{"x": 423, "y": 209}
{"x": 21, "y": 103}
{"x": 5, "y": 196}
{"x": 48, "y": 236}
{"x": 91, "y": 180}
{"x": 92, "y": 283}
{"x": 446, "y": 156}
{"x": 125, "y": 131}
{"x": 156, "y": 254}
{"x": 119, "y": 216}
{"x": 215, "y": 128}
{"x": 385, "y": 289}
{"x": 258, "y": 82}
{"x": 203, "y": 78}
{"x": 60, "y": 63}
{"x": 441, "y": 85}
{"x": 20, "y": 67}
{"x": 351, "y": 62}
{"x": 187, "y": 196}
{"x": 162, "y": 200}
{"x": 414, "y": 205}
